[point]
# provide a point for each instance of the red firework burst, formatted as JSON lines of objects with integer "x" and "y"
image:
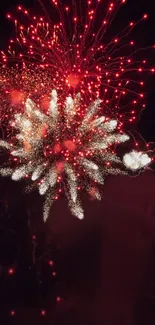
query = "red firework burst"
{"x": 69, "y": 53}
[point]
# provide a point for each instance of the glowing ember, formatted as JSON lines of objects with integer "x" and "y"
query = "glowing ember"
{"x": 73, "y": 80}
{"x": 70, "y": 145}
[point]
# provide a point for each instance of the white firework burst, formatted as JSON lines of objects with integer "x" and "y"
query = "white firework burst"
{"x": 135, "y": 160}
{"x": 64, "y": 149}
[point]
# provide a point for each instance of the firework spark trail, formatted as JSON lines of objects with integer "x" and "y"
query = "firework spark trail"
{"x": 61, "y": 150}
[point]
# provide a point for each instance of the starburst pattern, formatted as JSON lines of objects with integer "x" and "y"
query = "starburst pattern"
{"x": 64, "y": 150}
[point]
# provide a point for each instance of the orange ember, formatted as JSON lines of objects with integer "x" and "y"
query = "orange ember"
{"x": 27, "y": 146}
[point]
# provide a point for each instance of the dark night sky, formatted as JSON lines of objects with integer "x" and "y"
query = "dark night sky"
{"x": 107, "y": 260}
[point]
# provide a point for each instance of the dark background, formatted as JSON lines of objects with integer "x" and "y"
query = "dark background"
{"x": 105, "y": 264}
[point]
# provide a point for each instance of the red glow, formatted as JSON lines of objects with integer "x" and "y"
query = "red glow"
{"x": 73, "y": 80}
{"x": 43, "y": 312}
{"x": 60, "y": 166}
{"x": 54, "y": 273}
{"x": 58, "y": 299}
{"x": 57, "y": 148}
{"x": 44, "y": 103}
{"x": 145, "y": 16}
{"x": 16, "y": 97}
{"x": 70, "y": 145}
{"x": 12, "y": 313}
{"x": 92, "y": 193}
{"x": 51, "y": 263}
{"x": 11, "y": 271}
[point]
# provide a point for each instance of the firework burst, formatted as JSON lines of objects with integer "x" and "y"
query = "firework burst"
{"x": 67, "y": 50}
{"x": 64, "y": 149}
{"x": 136, "y": 160}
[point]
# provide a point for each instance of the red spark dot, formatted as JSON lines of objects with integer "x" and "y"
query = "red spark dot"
{"x": 145, "y": 16}
{"x": 43, "y": 312}
{"x": 54, "y": 273}
{"x": 51, "y": 263}
{"x": 11, "y": 271}
{"x": 55, "y": 2}
{"x": 12, "y": 313}
{"x": 58, "y": 299}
